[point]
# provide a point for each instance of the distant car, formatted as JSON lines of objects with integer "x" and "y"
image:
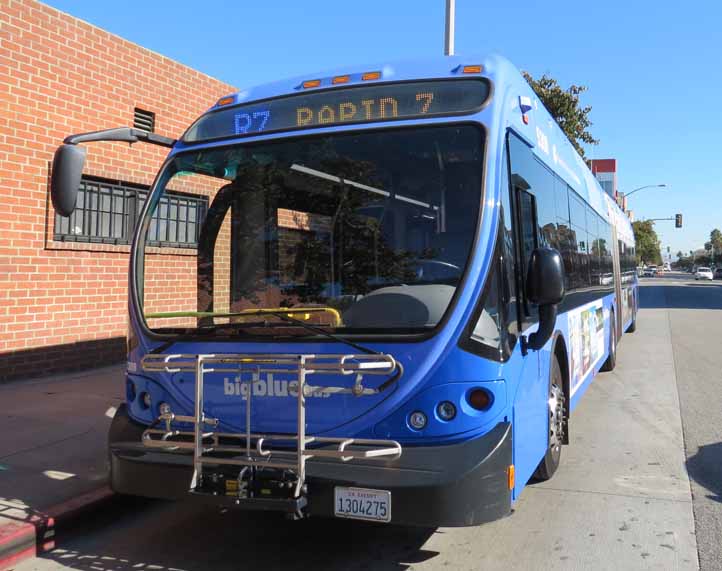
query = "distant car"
{"x": 650, "y": 271}
{"x": 718, "y": 274}
{"x": 703, "y": 273}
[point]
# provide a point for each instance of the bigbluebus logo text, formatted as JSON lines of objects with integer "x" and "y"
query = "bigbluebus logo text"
{"x": 266, "y": 387}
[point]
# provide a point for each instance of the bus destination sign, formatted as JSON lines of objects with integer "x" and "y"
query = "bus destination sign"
{"x": 385, "y": 102}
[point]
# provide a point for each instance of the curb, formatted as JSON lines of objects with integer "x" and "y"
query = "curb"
{"x": 21, "y": 540}
{"x": 17, "y": 543}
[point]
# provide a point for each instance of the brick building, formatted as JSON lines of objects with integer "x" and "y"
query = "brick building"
{"x": 64, "y": 281}
{"x": 605, "y": 171}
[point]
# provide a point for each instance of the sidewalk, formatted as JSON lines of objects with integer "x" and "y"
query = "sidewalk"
{"x": 52, "y": 453}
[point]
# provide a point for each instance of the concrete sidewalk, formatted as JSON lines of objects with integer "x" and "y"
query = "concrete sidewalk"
{"x": 52, "y": 453}
{"x": 621, "y": 499}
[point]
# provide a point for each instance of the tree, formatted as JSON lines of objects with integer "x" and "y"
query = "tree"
{"x": 563, "y": 105}
{"x": 646, "y": 242}
{"x": 715, "y": 239}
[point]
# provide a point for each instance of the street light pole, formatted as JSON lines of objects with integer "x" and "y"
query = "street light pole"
{"x": 643, "y": 187}
{"x": 449, "y": 29}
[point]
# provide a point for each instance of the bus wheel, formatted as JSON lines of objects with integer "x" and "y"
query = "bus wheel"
{"x": 557, "y": 401}
{"x": 611, "y": 361}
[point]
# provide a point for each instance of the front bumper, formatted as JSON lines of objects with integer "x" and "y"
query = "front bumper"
{"x": 455, "y": 485}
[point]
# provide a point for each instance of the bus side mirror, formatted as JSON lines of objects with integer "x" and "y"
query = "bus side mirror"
{"x": 545, "y": 288}
{"x": 70, "y": 158}
{"x": 68, "y": 165}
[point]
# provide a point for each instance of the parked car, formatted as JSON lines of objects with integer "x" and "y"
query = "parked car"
{"x": 718, "y": 273}
{"x": 650, "y": 271}
{"x": 703, "y": 273}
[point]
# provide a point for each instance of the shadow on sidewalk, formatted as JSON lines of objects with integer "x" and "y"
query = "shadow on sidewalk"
{"x": 703, "y": 295}
{"x": 705, "y": 468}
{"x": 174, "y": 537}
{"x": 18, "y": 512}
{"x": 55, "y": 431}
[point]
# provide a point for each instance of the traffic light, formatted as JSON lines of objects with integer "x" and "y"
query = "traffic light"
{"x": 677, "y": 220}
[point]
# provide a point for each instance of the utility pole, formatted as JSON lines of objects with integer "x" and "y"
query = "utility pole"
{"x": 449, "y": 29}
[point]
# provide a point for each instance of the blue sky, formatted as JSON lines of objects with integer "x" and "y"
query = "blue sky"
{"x": 654, "y": 69}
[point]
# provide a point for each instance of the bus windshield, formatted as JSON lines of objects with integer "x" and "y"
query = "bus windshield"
{"x": 366, "y": 232}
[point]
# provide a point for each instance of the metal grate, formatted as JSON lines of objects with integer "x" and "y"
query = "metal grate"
{"x": 144, "y": 120}
{"x": 107, "y": 212}
{"x": 176, "y": 221}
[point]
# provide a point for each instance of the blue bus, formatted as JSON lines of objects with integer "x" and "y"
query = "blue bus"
{"x": 401, "y": 280}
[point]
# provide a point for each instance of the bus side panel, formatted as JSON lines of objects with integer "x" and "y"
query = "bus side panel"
{"x": 529, "y": 415}
{"x": 628, "y": 305}
{"x": 588, "y": 344}
{"x": 530, "y": 412}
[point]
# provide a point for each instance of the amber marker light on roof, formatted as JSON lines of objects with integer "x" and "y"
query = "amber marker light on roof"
{"x": 472, "y": 69}
{"x": 371, "y": 75}
{"x": 226, "y": 100}
{"x": 311, "y": 83}
{"x": 340, "y": 79}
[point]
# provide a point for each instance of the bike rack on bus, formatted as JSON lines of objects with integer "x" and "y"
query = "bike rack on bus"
{"x": 260, "y": 451}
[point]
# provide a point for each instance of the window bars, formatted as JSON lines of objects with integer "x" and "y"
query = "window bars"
{"x": 107, "y": 213}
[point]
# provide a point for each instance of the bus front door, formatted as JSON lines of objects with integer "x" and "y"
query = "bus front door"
{"x": 530, "y": 415}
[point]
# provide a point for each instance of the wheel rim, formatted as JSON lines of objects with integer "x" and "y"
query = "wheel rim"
{"x": 613, "y": 338}
{"x": 556, "y": 419}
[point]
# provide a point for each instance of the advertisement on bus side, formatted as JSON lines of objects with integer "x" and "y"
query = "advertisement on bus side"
{"x": 586, "y": 340}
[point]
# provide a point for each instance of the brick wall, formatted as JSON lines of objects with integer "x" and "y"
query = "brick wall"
{"x": 64, "y": 304}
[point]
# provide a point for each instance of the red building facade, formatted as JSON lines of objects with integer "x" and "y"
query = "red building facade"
{"x": 64, "y": 281}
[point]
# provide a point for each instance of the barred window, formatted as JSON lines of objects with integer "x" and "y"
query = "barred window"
{"x": 106, "y": 213}
{"x": 176, "y": 221}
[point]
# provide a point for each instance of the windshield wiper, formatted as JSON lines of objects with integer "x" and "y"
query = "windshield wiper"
{"x": 207, "y": 329}
{"x": 314, "y": 329}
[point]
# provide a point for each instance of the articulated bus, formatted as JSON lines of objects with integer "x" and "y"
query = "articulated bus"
{"x": 403, "y": 279}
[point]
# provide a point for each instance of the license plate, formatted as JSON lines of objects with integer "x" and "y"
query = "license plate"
{"x": 361, "y": 503}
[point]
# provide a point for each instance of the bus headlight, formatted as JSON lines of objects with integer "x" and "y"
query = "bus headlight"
{"x": 146, "y": 400}
{"x": 446, "y": 410}
{"x": 417, "y": 420}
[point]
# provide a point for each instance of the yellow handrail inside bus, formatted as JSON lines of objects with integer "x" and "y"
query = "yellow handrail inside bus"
{"x": 305, "y": 313}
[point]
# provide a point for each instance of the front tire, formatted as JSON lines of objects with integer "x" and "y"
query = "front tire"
{"x": 557, "y": 401}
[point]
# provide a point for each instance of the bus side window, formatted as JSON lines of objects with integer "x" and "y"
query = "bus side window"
{"x": 580, "y": 268}
{"x": 531, "y": 183}
{"x": 527, "y": 211}
{"x": 488, "y": 328}
{"x": 508, "y": 275}
{"x": 493, "y": 326}
{"x": 564, "y": 230}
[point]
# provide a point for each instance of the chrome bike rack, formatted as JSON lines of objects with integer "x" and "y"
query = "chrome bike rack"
{"x": 259, "y": 451}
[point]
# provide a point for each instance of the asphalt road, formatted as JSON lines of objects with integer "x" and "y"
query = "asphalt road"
{"x": 694, "y": 313}
{"x": 621, "y": 499}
